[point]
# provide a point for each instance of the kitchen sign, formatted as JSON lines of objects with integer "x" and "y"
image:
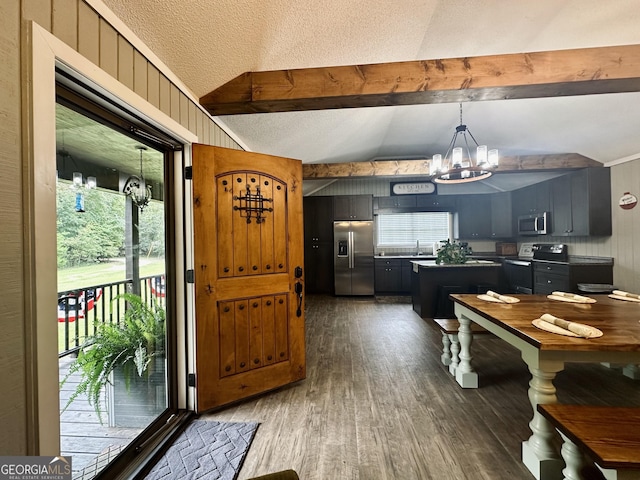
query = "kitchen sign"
{"x": 413, "y": 188}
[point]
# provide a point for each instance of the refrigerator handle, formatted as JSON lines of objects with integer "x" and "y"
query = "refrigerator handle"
{"x": 351, "y": 255}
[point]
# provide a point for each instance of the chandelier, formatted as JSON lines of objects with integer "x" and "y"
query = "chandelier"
{"x": 136, "y": 188}
{"x": 458, "y": 165}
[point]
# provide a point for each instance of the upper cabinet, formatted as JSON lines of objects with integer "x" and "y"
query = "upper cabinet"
{"x": 483, "y": 217}
{"x": 532, "y": 199}
{"x": 473, "y": 217}
{"x": 395, "y": 201}
{"x": 318, "y": 219}
{"x": 501, "y": 215}
{"x": 581, "y": 203}
{"x": 353, "y": 207}
{"x": 436, "y": 203}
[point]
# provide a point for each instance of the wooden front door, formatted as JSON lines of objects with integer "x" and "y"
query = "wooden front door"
{"x": 248, "y": 252}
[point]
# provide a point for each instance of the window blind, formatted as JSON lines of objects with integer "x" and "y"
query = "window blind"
{"x": 401, "y": 229}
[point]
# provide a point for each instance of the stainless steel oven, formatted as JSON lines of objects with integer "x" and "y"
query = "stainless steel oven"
{"x": 519, "y": 275}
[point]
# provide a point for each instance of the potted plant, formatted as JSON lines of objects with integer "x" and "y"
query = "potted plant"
{"x": 451, "y": 253}
{"x": 130, "y": 347}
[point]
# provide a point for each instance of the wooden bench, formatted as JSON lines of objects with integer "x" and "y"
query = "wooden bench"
{"x": 608, "y": 436}
{"x": 450, "y": 344}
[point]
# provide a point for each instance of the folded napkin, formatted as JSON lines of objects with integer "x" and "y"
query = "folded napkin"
{"x": 578, "y": 328}
{"x": 622, "y": 293}
{"x": 572, "y": 297}
{"x": 502, "y": 298}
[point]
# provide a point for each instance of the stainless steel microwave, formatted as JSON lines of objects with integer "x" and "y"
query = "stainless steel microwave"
{"x": 534, "y": 224}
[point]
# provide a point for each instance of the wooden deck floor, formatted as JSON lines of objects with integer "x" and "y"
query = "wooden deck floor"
{"x": 81, "y": 434}
{"x": 377, "y": 404}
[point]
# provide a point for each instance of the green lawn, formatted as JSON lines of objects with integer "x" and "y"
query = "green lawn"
{"x": 103, "y": 273}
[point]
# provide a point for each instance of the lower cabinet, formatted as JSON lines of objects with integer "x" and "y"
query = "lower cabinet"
{"x": 392, "y": 276}
{"x": 550, "y": 276}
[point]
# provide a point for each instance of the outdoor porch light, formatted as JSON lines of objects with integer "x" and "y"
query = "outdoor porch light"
{"x": 458, "y": 168}
{"x": 77, "y": 186}
{"x": 136, "y": 187}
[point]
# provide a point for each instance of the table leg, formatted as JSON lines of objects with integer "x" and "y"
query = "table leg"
{"x": 465, "y": 376}
{"x": 445, "y": 358}
{"x": 455, "y": 353}
{"x": 573, "y": 459}
{"x": 539, "y": 453}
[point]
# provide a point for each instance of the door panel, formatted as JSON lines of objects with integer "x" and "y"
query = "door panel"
{"x": 248, "y": 240}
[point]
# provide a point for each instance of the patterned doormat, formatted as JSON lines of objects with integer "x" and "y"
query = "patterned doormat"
{"x": 206, "y": 449}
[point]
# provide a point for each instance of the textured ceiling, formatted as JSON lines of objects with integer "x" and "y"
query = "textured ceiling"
{"x": 206, "y": 43}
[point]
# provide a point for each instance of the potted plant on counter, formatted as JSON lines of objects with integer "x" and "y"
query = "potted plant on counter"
{"x": 450, "y": 253}
{"x": 131, "y": 350}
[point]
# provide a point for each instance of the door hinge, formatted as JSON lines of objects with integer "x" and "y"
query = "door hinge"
{"x": 191, "y": 276}
{"x": 188, "y": 173}
{"x": 191, "y": 380}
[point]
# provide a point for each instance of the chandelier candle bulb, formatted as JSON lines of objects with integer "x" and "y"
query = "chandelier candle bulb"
{"x": 481, "y": 154}
{"x": 436, "y": 163}
{"x": 456, "y": 157}
{"x": 493, "y": 157}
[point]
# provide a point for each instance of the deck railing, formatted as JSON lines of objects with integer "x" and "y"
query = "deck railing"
{"x": 81, "y": 310}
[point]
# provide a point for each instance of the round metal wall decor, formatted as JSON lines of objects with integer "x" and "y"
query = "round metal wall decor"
{"x": 627, "y": 201}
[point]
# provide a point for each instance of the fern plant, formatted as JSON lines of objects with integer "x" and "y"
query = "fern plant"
{"x": 131, "y": 344}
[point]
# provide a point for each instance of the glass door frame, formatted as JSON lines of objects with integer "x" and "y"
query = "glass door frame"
{"x": 75, "y": 96}
{"x": 44, "y": 53}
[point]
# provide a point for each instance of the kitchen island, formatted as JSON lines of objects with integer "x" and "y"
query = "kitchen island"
{"x": 431, "y": 284}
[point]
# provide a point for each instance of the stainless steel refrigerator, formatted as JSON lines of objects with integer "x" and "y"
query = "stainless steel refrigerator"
{"x": 353, "y": 258}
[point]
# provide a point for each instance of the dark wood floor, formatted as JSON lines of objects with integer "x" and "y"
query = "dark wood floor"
{"x": 378, "y": 404}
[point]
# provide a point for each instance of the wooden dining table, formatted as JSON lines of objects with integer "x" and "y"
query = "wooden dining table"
{"x": 546, "y": 353}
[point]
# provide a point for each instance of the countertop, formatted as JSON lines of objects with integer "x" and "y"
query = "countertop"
{"x": 433, "y": 257}
{"x": 580, "y": 260}
{"x": 468, "y": 263}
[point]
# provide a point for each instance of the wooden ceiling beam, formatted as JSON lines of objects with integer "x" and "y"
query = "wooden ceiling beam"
{"x": 414, "y": 168}
{"x": 494, "y": 77}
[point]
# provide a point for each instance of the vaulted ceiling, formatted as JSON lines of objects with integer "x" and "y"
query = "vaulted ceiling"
{"x": 208, "y": 43}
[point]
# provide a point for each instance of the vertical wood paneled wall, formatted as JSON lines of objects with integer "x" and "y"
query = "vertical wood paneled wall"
{"x": 83, "y": 29}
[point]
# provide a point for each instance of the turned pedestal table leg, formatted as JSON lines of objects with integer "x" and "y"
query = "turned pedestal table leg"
{"x": 539, "y": 453}
{"x": 445, "y": 358}
{"x": 465, "y": 376}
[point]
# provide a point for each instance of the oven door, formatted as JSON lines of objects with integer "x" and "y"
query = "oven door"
{"x": 519, "y": 276}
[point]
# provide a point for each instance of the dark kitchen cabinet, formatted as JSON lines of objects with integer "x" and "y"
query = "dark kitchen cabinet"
{"x": 318, "y": 219}
{"x": 532, "y": 199}
{"x": 565, "y": 277}
{"x": 405, "y": 281}
{"x": 392, "y": 275}
{"x": 473, "y": 217}
{"x": 581, "y": 203}
{"x": 501, "y": 215}
{"x": 318, "y": 244}
{"x": 353, "y": 207}
{"x": 388, "y": 275}
{"x": 395, "y": 201}
{"x": 436, "y": 202}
